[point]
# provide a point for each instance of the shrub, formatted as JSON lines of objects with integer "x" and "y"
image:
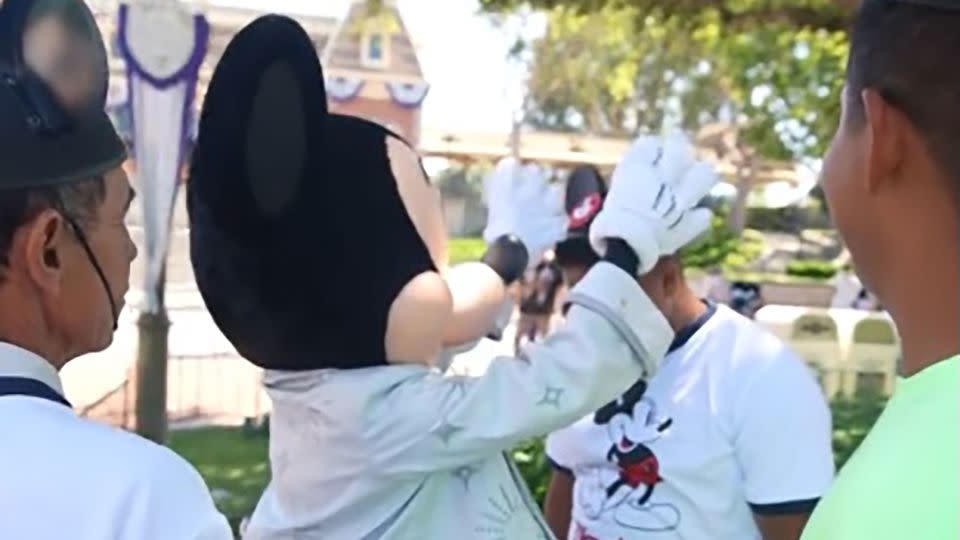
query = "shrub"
{"x": 721, "y": 247}
{"x": 812, "y": 269}
{"x": 531, "y": 459}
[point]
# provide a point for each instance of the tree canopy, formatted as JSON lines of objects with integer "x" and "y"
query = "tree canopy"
{"x": 769, "y": 67}
{"x": 770, "y": 72}
{"x": 831, "y": 15}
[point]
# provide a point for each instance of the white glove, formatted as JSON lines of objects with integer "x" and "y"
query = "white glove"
{"x": 653, "y": 192}
{"x": 521, "y": 201}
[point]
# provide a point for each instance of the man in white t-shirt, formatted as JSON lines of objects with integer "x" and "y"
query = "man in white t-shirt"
{"x": 729, "y": 440}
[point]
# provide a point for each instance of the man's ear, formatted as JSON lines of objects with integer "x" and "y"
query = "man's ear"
{"x": 43, "y": 241}
{"x": 671, "y": 278}
{"x": 886, "y": 126}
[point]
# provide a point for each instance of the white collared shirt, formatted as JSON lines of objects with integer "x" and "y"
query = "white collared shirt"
{"x": 63, "y": 476}
{"x": 18, "y": 362}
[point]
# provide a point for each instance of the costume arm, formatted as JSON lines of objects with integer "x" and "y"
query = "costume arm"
{"x": 613, "y": 335}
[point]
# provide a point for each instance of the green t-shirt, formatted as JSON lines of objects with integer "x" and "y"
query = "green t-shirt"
{"x": 903, "y": 483}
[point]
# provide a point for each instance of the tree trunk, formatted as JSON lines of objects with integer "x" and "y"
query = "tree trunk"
{"x": 738, "y": 213}
{"x": 515, "y": 138}
{"x": 151, "y": 371}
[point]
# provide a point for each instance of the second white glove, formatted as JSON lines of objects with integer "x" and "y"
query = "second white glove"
{"x": 653, "y": 194}
{"x": 522, "y": 202}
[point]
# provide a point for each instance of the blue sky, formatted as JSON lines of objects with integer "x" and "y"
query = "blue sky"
{"x": 462, "y": 53}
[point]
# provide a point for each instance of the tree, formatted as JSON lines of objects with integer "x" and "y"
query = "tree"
{"x": 771, "y": 70}
{"x": 610, "y": 72}
{"x": 735, "y": 15}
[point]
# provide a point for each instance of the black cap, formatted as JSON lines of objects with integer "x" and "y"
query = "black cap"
{"x": 54, "y": 129}
{"x": 584, "y": 199}
{"x": 586, "y": 191}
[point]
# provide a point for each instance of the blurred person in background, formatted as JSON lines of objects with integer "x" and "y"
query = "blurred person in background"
{"x": 538, "y": 303}
{"x": 746, "y": 298}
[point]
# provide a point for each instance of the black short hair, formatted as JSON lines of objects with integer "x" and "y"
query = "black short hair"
{"x": 904, "y": 50}
{"x": 78, "y": 201}
{"x": 575, "y": 251}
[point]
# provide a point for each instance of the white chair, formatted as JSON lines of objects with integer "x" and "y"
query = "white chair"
{"x": 779, "y": 319}
{"x": 816, "y": 339}
{"x": 873, "y": 357}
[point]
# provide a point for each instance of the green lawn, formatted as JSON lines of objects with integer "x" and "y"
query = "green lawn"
{"x": 233, "y": 461}
{"x": 471, "y": 249}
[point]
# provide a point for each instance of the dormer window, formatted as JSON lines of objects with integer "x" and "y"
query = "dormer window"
{"x": 375, "y": 50}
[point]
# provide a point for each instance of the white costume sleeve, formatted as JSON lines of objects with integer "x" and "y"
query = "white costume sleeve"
{"x": 613, "y": 335}
{"x": 783, "y": 439}
{"x": 173, "y": 502}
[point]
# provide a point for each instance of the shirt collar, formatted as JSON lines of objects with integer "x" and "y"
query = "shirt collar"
{"x": 684, "y": 335}
{"x": 18, "y": 362}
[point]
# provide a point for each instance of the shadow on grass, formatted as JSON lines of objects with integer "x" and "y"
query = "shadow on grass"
{"x": 235, "y": 466}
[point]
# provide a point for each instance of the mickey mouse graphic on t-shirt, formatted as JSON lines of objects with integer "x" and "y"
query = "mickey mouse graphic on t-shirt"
{"x": 632, "y": 422}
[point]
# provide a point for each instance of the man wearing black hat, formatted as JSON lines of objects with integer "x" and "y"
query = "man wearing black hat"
{"x": 65, "y": 255}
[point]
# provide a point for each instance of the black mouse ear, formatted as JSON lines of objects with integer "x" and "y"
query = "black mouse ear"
{"x": 634, "y": 394}
{"x": 53, "y": 87}
{"x": 54, "y": 50}
{"x": 265, "y": 106}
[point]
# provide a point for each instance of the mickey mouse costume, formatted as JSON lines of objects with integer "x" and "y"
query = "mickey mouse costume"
{"x": 319, "y": 247}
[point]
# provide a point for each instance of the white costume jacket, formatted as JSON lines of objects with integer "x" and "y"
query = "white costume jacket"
{"x": 406, "y": 453}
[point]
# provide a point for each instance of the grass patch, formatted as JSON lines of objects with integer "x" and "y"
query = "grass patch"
{"x": 466, "y": 249}
{"x": 233, "y": 461}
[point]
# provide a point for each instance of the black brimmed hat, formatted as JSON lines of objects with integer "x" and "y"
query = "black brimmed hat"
{"x": 53, "y": 88}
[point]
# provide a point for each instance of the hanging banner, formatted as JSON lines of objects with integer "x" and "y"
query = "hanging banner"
{"x": 343, "y": 89}
{"x": 408, "y": 95}
{"x": 163, "y": 44}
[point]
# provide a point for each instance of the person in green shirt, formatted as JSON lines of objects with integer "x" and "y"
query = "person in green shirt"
{"x": 892, "y": 181}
